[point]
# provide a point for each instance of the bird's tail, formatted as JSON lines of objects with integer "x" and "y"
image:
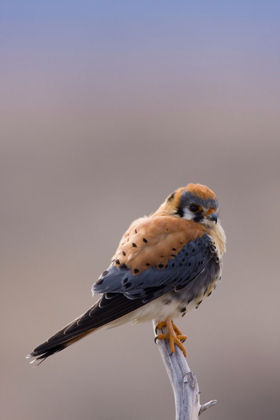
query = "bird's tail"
{"x": 110, "y": 307}
{"x": 40, "y": 353}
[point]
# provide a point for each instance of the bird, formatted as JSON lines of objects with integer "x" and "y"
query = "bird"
{"x": 166, "y": 264}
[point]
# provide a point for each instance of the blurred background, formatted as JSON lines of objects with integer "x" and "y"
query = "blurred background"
{"x": 106, "y": 108}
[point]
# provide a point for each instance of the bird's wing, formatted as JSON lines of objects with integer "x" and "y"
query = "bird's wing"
{"x": 152, "y": 241}
{"x": 177, "y": 273}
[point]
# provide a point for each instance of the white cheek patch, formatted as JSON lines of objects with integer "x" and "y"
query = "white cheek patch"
{"x": 188, "y": 215}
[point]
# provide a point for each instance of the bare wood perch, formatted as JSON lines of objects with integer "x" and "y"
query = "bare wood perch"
{"x": 183, "y": 381}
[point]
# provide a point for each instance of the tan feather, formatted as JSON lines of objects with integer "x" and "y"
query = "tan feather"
{"x": 152, "y": 241}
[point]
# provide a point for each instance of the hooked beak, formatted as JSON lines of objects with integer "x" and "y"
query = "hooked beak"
{"x": 211, "y": 215}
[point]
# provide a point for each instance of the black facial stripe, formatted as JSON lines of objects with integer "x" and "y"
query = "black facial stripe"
{"x": 171, "y": 197}
{"x": 198, "y": 217}
{"x": 180, "y": 212}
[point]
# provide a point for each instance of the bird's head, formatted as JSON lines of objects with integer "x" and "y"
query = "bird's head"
{"x": 194, "y": 202}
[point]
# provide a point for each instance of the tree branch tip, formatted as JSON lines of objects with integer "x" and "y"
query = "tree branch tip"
{"x": 207, "y": 405}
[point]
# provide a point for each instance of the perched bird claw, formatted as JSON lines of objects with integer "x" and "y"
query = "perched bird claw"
{"x": 174, "y": 335}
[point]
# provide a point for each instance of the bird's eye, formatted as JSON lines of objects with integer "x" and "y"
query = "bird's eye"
{"x": 194, "y": 208}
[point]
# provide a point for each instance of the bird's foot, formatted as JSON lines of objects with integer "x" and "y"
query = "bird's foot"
{"x": 174, "y": 335}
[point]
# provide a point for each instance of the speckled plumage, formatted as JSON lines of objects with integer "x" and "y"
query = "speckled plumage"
{"x": 152, "y": 241}
{"x": 165, "y": 265}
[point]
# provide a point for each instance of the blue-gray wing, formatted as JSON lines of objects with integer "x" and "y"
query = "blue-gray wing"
{"x": 180, "y": 271}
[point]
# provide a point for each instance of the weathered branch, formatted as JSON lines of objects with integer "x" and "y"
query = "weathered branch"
{"x": 183, "y": 381}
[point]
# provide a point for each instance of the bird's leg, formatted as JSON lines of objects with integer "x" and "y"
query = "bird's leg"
{"x": 174, "y": 335}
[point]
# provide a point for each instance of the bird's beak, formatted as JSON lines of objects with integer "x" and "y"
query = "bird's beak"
{"x": 212, "y": 215}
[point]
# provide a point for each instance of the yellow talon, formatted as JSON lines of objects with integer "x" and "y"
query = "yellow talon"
{"x": 174, "y": 335}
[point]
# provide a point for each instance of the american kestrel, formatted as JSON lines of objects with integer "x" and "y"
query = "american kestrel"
{"x": 164, "y": 266}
